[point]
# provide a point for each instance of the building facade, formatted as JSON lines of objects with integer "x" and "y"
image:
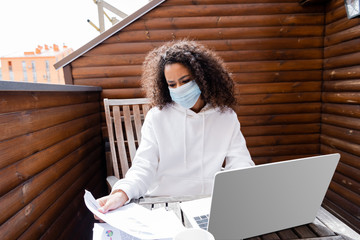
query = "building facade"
{"x": 35, "y": 66}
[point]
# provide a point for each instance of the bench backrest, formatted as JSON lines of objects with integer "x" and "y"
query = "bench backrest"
{"x": 124, "y": 118}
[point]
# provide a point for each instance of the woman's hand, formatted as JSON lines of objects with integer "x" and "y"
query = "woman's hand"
{"x": 113, "y": 201}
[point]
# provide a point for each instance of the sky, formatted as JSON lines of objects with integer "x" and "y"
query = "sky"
{"x": 25, "y": 24}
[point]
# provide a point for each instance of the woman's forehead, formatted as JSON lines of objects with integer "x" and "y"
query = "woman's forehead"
{"x": 175, "y": 71}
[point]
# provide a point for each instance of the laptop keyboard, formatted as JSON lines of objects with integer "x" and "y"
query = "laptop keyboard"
{"x": 202, "y": 221}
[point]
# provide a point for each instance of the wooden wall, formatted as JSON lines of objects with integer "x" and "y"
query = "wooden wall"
{"x": 341, "y": 110}
{"x": 273, "y": 48}
{"x": 50, "y": 151}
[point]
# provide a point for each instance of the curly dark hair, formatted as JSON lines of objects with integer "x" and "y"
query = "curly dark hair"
{"x": 207, "y": 69}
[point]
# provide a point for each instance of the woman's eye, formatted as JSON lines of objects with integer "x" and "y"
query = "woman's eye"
{"x": 186, "y": 81}
{"x": 171, "y": 85}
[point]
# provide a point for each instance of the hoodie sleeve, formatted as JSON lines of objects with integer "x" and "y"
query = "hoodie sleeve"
{"x": 144, "y": 165}
{"x": 238, "y": 155}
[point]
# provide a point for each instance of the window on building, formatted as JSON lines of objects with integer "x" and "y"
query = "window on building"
{"x": 47, "y": 67}
{"x": 11, "y": 73}
{"x": 24, "y": 71}
{"x": 33, "y": 70}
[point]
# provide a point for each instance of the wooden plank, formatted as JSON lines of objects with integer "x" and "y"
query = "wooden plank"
{"x": 19, "y": 123}
{"x": 226, "y": 21}
{"x": 277, "y": 119}
{"x": 277, "y": 76}
{"x": 346, "y": 158}
{"x": 253, "y": 238}
{"x": 264, "y": 43}
{"x": 119, "y": 134}
{"x": 255, "y": 141}
{"x": 270, "y": 236}
{"x": 347, "y": 182}
{"x": 348, "y": 34}
{"x": 146, "y": 108}
{"x": 335, "y": 14}
{"x": 67, "y": 75}
{"x": 309, "y": 128}
{"x": 344, "y": 134}
{"x": 287, "y": 234}
{"x": 285, "y": 150}
{"x": 282, "y": 65}
{"x": 23, "y": 170}
{"x": 111, "y": 82}
{"x": 220, "y": 33}
{"x": 110, "y": 128}
{"x": 109, "y": 60}
{"x": 340, "y": 25}
{"x": 212, "y": 2}
{"x": 266, "y": 55}
{"x": 342, "y": 97}
{"x": 271, "y": 98}
{"x": 346, "y": 110}
{"x": 342, "y": 61}
{"x": 340, "y": 144}
{"x": 343, "y": 48}
{"x": 304, "y": 231}
{"x": 334, "y": 4}
{"x": 230, "y": 10}
{"x": 344, "y": 85}
{"x": 128, "y": 101}
{"x": 107, "y": 71}
{"x": 283, "y": 87}
{"x": 19, "y": 101}
{"x": 269, "y": 159}
{"x": 123, "y": 93}
{"x": 351, "y": 178}
{"x": 347, "y": 73}
{"x": 37, "y": 141}
{"x": 111, "y": 46}
{"x": 129, "y": 132}
{"x": 137, "y": 122}
{"x": 291, "y": 108}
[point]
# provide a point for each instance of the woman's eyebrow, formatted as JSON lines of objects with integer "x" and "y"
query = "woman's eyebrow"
{"x": 183, "y": 77}
{"x": 179, "y": 78}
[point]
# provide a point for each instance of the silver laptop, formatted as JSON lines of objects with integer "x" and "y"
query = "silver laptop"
{"x": 265, "y": 198}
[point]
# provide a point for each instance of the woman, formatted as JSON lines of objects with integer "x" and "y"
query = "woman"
{"x": 190, "y": 130}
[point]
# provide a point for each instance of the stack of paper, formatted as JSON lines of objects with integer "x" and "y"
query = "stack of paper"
{"x": 134, "y": 222}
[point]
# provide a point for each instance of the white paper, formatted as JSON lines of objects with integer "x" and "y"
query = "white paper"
{"x": 138, "y": 221}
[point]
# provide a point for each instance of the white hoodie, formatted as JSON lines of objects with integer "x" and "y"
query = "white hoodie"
{"x": 180, "y": 152}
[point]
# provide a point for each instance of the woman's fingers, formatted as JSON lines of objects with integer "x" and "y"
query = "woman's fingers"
{"x": 112, "y": 201}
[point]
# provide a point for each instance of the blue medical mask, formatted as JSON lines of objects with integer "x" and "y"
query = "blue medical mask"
{"x": 186, "y": 95}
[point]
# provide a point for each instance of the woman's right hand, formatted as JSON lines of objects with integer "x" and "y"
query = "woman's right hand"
{"x": 113, "y": 201}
